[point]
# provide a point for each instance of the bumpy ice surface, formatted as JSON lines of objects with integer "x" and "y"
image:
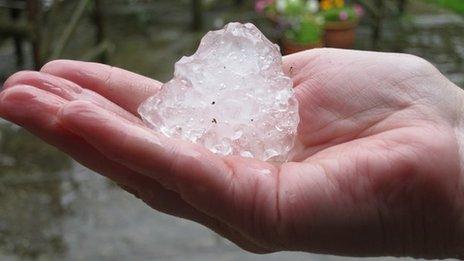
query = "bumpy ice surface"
{"x": 231, "y": 96}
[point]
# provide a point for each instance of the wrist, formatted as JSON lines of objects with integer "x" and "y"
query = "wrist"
{"x": 459, "y": 123}
{"x": 457, "y": 247}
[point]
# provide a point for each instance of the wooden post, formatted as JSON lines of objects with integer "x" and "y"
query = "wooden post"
{"x": 96, "y": 52}
{"x": 34, "y": 19}
{"x": 239, "y": 2}
{"x": 17, "y": 40}
{"x": 100, "y": 33}
{"x": 69, "y": 30}
{"x": 197, "y": 20}
{"x": 402, "y": 6}
{"x": 378, "y": 22}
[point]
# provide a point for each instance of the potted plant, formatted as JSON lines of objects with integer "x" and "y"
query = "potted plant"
{"x": 299, "y": 21}
{"x": 340, "y": 23}
{"x": 279, "y": 11}
{"x": 302, "y": 34}
{"x": 268, "y": 8}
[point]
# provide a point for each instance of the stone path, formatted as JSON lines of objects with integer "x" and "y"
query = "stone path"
{"x": 99, "y": 221}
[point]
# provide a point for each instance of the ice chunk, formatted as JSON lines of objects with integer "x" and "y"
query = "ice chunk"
{"x": 231, "y": 96}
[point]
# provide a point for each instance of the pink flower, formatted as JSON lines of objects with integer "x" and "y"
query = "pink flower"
{"x": 260, "y": 5}
{"x": 359, "y": 10}
{"x": 343, "y": 16}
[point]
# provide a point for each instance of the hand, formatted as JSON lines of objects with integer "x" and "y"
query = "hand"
{"x": 377, "y": 169}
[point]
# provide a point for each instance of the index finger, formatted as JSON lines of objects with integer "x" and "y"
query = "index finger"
{"x": 127, "y": 89}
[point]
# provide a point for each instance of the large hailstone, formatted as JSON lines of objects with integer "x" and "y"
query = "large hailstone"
{"x": 231, "y": 96}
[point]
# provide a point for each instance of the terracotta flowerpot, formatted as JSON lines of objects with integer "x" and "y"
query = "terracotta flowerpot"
{"x": 340, "y": 34}
{"x": 290, "y": 47}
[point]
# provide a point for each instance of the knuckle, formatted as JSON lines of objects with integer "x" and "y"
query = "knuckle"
{"x": 418, "y": 64}
{"x": 108, "y": 79}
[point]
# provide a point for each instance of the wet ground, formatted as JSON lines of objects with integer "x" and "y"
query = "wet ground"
{"x": 51, "y": 208}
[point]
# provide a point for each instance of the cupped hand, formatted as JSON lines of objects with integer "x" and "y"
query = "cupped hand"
{"x": 376, "y": 170}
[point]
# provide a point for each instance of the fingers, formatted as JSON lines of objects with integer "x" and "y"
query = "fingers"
{"x": 190, "y": 170}
{"x": 28, "y": 106}
{"x": 122, "y": 87}
{"x": 17, "y": 102}
{"x": 143, "y": 150}
{"x": 36, "y": 110}
{"x": 202, "y": 179}
{"x": 16, "y": 105}
{"x": 67, "y": 90}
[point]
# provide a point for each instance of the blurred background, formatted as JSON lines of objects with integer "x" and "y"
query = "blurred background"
{"x": 51, "y": 208}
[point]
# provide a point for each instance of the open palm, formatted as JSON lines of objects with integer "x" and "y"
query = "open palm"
{"x": 376, "y": 169}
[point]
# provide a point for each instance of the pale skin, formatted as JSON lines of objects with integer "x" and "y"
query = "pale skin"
{"x": 377, "y": 169}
